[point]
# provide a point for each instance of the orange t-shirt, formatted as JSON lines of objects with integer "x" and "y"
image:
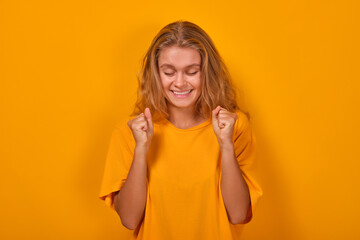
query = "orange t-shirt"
{"x": 184, "y": 199}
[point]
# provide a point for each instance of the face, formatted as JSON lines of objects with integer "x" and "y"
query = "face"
{"x": 180, "y": 75}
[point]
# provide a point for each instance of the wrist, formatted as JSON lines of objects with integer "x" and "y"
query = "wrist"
{"x": 141, "y": 148}
{"x": 226, "y": 146}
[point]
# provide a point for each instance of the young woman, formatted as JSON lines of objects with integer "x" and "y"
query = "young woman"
{"x": 179, "y": 167}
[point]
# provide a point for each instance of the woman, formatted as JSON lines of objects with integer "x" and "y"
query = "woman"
{"x": 179, "y": 166}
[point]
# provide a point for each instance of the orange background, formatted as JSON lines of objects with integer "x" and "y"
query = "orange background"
{"x": 68, "y": 74}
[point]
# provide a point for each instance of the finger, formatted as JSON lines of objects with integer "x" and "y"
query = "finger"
{"x": 215, "y": 112}
{"x": 148, "y": 117}
{"x": 141, "y": 122}
{"x": 223, "y": 112}
{"x": 144, "y": 125}
{"x": 221, "y": 124}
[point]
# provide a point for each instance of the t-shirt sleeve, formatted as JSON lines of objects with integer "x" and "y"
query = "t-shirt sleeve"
{"x": 118, "y": 162}
{"x": 245, "y": 146}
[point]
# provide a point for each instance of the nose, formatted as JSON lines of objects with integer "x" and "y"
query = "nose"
{"x": 180, "y": 81}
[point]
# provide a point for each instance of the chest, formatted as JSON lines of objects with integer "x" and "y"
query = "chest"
{"x": 183, "y": 159}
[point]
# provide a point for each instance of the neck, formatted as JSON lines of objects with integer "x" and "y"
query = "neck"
{"x": 183, "y": 117}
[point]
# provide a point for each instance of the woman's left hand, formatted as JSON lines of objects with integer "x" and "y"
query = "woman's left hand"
{"x": 223, "y": 123}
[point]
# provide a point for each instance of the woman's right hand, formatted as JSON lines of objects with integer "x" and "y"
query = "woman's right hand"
{"x": 142, "y": 128}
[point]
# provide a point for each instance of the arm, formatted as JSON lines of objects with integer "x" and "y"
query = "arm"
{"x": 130, "y": 201}
{"x": 234, "y": 189}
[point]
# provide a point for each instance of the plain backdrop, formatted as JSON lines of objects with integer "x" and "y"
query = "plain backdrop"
{"x": 68, "y": 74}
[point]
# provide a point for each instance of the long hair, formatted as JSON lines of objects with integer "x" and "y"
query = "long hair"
{"x": 217, "y": 87}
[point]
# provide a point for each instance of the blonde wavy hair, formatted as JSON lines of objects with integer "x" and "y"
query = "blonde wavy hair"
{"x": 217, "y": 87}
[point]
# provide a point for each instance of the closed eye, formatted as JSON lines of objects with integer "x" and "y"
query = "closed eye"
{"x": 169, "y": 74}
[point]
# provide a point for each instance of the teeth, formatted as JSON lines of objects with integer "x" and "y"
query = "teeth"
{"x": 181, "y": 93}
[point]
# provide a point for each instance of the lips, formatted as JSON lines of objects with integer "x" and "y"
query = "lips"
{"x": 181, "y": 92}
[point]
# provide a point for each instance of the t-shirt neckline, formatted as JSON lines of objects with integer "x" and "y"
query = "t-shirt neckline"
{"x": 201, "y": 125}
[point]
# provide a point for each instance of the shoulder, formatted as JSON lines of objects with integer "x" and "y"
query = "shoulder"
{"x": 242, "y": 126}
{"x": 242, "y": 121}
{"x": 122, "y": 133}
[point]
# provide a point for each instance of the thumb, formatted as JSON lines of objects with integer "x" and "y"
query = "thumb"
{"x": 215, "y": 112}
{"x": 148, "y": 117}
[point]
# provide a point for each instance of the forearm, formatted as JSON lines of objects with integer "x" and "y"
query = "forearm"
{"x": 130, "y": 201}
{"x": 234, "y": 189}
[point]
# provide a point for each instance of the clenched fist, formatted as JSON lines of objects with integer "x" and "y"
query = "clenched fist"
{"x": 223, "y": 122}
{"x": 142, "y": 128}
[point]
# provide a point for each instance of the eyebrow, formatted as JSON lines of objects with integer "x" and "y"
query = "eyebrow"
{"x": 171, "y": 66}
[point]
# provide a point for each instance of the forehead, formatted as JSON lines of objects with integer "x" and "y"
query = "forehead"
{"x": 179, "y": 57}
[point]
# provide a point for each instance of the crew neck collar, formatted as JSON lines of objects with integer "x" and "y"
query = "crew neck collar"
{"x": 201, "y": 125}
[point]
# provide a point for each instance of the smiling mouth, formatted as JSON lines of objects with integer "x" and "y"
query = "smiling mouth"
{"x": 182, "y": 93}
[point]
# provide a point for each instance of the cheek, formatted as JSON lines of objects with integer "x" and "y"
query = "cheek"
{"x": 166, "y": 86}
{"x": 164, "y": 83}
{"x": 197, "y": 83}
